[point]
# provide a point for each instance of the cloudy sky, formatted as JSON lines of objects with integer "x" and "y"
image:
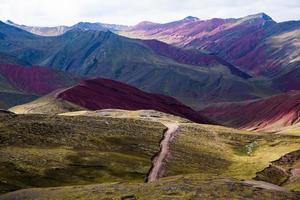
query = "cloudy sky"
{"x": 68, "y": 12}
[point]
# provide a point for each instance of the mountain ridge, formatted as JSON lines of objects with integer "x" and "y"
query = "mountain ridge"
{"x": 89, "y": 53}
{"x": 110, "y": 94}
{"x": 236, "y": 40}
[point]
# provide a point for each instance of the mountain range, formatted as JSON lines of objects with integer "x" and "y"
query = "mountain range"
{"x": 255, "y": 44}
{"x": 59, "y": 30}
{"x": 191, "y": 109}
{"x": 149, "y": 65}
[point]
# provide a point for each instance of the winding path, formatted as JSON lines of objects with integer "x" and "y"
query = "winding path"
{"x": 160, "y": 158}
{"x": 265, "y": 185}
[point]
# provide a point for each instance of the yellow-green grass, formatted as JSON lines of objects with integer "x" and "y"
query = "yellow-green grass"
{"x": 43, "y": 151}
{"x": 284, "y": 171}
{"x": 295, "y": 185}
{"x": 147, "y": 115}
{"x": 178, "y": 187}
{"x": 48, "y": 104}
{"x": 115, "y": 146}
{"x": 209, "y": 151}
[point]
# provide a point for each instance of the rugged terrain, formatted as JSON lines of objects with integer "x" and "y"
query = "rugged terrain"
{"x": 11, "y": 96}
{"x": 273, "y": 45}
{"x": 107, "y": 94}
{"x": 97, "y": 115}
{"x": 281, "y": 112}
{"x": 256, "y": 44}
{"x": 22, "y": 84}
{"x": 115, "y": 146}
{"x": 151, "y": 66}
{"x": 284, "y": 171}
{"x": 181, "y": 187}
{"x": 59, "y": 30}
{"x": 35, "y": 79}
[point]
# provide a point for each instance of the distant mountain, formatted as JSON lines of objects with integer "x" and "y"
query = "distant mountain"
{"x": 36, "y": 80}
{"x": 256, "y": 43}
{"x": 11, "y": 95}
{"x": 99, "y": 26}
{"x": 191, "y": 18}
{"x": 59, "y": 30}
{"x": 9, "y": 59}
{"x": 109, "y": 94}
{"x": 192, "y": 57}
{"x": 21, "y": 84}
{"x": 43, "y": 31}
{"x": 289, "y": 78}
{"x": 270, "y": 114}
{"x": 192, "y": 77}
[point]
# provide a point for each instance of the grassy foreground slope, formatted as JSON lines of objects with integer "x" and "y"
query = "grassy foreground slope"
{"x": 180, "y": 187}
{"x": 216, "y": 151}
{"x": 44, "y": 151}
{"x": 284, "y": 171}
{"x": 74, "y": 150}
{"x": 208, "y": 151}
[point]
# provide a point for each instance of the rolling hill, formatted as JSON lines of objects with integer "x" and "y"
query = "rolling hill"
{"x": 284, "y": 171}
{"x": 35, "y": 79}
{"x": 109, "y": 94}
{"x": 79, "y": 151}
{"x": 11, "y": 96}
{"x": 181, "y": 187}
{"x": 271, "y": 114}
{"x": 21, "y": 84}
{"x": 147, "y": 65}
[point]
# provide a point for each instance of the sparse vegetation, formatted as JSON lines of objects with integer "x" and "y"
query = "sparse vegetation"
{"x": 116, "y": 146}
{"x": 43, "y": 151}
{"x": 284, "y": 171}
{"x": 210, "y": 151}
{"x": 179, "y": 187}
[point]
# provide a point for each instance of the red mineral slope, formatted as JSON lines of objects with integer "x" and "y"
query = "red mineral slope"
{"x": 255, "y": 43}
{"x": 36, "y": 80}
{"x": 270, "y": 114}
{"x": 103, "y": 93}
{"x": 192, "y": 57}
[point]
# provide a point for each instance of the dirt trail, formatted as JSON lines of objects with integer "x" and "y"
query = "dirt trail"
{"x": 266, "y": 185}
{"x": 295, "y": 174}
{"x": 159, "y": 160}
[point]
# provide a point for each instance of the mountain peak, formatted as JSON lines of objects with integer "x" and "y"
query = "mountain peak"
{"x": 9, "y": 22}
{"x": 260, "y": 16}
{"x": 191, "y": 18}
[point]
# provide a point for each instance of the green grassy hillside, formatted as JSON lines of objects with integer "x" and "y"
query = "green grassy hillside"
{"x": 218, "y": 151}
{"x": 180, "y": 187}
{"x": 46, "y": 105}
{"x": 283, "y": 171}
{"x": 44, "y": 151}
{"x": 114, "y": 146}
